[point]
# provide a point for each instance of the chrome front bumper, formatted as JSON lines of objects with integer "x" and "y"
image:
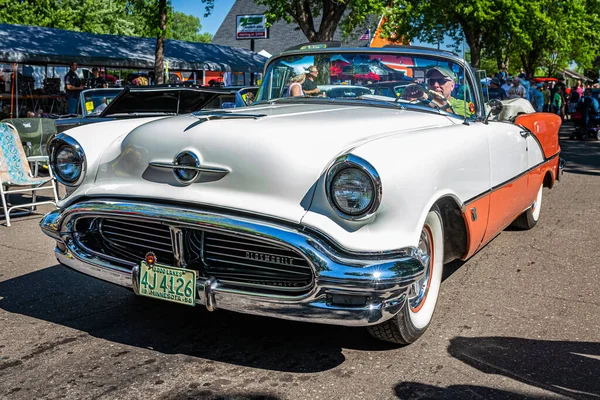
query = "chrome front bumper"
{"x": 349, "y": 289}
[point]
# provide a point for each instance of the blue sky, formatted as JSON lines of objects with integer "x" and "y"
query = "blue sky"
{"x": 196, "y": 8}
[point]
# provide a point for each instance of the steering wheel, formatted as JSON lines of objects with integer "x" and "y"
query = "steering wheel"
{"x": 417, "y": 93}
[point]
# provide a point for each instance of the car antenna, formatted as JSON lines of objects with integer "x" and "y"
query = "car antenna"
{"x": 466, "y": 121}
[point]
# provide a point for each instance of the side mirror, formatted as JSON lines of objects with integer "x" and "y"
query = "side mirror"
{"x": 495, "y": 108}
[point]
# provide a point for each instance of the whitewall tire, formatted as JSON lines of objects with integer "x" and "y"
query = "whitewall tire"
{"x": 416, "y": 315}
{"x": 531, "y": 216}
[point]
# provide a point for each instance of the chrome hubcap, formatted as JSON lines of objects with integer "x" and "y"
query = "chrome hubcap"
{"x": 418, "y": 290}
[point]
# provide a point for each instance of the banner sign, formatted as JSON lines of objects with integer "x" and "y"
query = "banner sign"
{"x": 251, "y": 27}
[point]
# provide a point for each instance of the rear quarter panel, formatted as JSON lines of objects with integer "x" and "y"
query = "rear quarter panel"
{"x": 545, "y": 127}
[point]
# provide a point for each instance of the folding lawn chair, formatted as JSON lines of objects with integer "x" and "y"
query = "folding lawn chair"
{"x": 15, "y": 171}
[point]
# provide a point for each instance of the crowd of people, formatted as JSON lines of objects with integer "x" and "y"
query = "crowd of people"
{"x": 548, "y": 95}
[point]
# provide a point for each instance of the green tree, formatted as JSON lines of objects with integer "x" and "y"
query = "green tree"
{"x": 187, "y": 27}
{"x": 347, "y": 13}
{"x": 410, "y": 19}
{"x": 146, "y": 18}
{"x": 95, "y": 16}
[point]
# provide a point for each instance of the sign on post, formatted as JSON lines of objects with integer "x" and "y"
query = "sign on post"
{"x": 251, "y": 27}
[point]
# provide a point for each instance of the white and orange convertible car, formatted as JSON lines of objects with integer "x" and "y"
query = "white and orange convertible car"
{"x": 336, "y": 210}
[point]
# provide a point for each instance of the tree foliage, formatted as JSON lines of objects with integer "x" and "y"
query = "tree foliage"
{"x": 187, "y": 27}
{"x": 95, "y": 16}
{"x": 116, "y": 17}
{"x": 146, "y": 18}
{"x": 348, "y": 14}
{"x": 548, "y": 33}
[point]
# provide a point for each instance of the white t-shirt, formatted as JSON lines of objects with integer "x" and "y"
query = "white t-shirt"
{"x": 292, "y": 85}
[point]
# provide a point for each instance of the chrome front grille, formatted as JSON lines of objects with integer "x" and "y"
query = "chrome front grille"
{"x": 134, "y": 239}
{"x": 236, "y": 261}
{"x": 124, "y": 242}
{"x": 248, "y": 262}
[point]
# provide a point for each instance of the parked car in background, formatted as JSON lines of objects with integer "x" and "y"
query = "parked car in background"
{"x": 335, "y": 210}
{"x": 101, "y": 105}
{"x": 389, "y": 88}
{"x": 335, "y": 91}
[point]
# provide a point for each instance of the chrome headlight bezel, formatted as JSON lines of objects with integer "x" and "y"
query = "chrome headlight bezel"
{"x": 54, "y": 147}
{"x": 351, "y": 161}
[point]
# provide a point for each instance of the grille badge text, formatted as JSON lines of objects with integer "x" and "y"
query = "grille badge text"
{"x": 269, "y": 258}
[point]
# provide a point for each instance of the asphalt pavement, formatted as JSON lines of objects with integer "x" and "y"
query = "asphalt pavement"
{"x": 520, "y": 319}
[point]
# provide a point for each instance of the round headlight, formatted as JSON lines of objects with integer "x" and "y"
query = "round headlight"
{"x": 68, "y": 164}
{"x": 67, "y": 160}
{"x": 352, "y": 191}
{"x": 353, "y": 187}
{"x": 190, "y": 160}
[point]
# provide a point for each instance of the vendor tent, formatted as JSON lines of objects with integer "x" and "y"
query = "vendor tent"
{"x": 36, "y": 45}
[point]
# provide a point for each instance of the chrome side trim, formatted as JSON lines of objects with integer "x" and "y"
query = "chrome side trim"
{"x": 501, "y": 185}
{"x": 212, "y": 115}
{"x": 203, "y": 168}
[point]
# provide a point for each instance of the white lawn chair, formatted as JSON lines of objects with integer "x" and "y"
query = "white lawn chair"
{"x": 15, "y": 171}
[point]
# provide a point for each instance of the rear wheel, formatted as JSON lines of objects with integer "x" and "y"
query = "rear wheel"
{"x": 416, "y": 315}
{"x": 530, "y": 218}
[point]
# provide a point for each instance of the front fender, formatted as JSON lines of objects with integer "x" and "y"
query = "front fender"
{"x": 95, "y": 140}
{"x": 416, "y": 169}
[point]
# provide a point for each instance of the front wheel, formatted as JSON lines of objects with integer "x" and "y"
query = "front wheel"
{"x": 416, "y": 315}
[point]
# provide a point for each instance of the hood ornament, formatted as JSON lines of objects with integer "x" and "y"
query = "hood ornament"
{"x": 187, "y": 167}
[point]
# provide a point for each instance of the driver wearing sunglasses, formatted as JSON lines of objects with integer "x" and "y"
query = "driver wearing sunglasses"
{"x": 442, "y": 80}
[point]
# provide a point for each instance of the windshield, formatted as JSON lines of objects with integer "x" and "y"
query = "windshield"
{"x": 95, "y": 101}
{"x": 403, "y": 78}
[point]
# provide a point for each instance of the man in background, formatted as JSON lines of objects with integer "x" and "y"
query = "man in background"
{"x": 517, "y": 90}
{"x": 73, "y": 87}
{"x": 538, "y": 98}
{"x": 495, "y": 91}
{"x": 97, "y": 80}
{"x": 547, "y": 97}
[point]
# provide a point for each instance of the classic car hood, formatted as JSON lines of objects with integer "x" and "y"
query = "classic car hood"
{"x": 274, "y": 159}
{"x": 161, "y": 99}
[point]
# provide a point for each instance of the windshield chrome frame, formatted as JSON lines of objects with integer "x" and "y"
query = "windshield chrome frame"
{"x": 400, "y": 51}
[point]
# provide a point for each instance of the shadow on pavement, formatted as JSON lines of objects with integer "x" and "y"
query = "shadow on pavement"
{"x": 563, "y": 367}
{"x": 62, "y": 296}
{"x": 422, "y": 391}
{"x": 210, "y": 395}
{"x": 582, "y": 157}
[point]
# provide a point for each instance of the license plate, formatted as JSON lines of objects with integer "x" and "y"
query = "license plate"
{"x": 168, "y": 283}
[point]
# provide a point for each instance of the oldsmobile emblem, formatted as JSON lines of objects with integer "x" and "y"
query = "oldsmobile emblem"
{"x": 277, "y": 284}
{"x": 269, "y": 258}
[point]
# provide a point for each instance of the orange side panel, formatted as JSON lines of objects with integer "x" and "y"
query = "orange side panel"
{"x": 506, "y": 203}
{"x": 536, "y": 177}
{"x": 498, "y": 209}
{"x": 476, "y": 229}
{"x": 545, "y": 127}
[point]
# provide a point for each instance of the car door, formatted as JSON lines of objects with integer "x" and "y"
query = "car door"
{"x": 508, "y": 166}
